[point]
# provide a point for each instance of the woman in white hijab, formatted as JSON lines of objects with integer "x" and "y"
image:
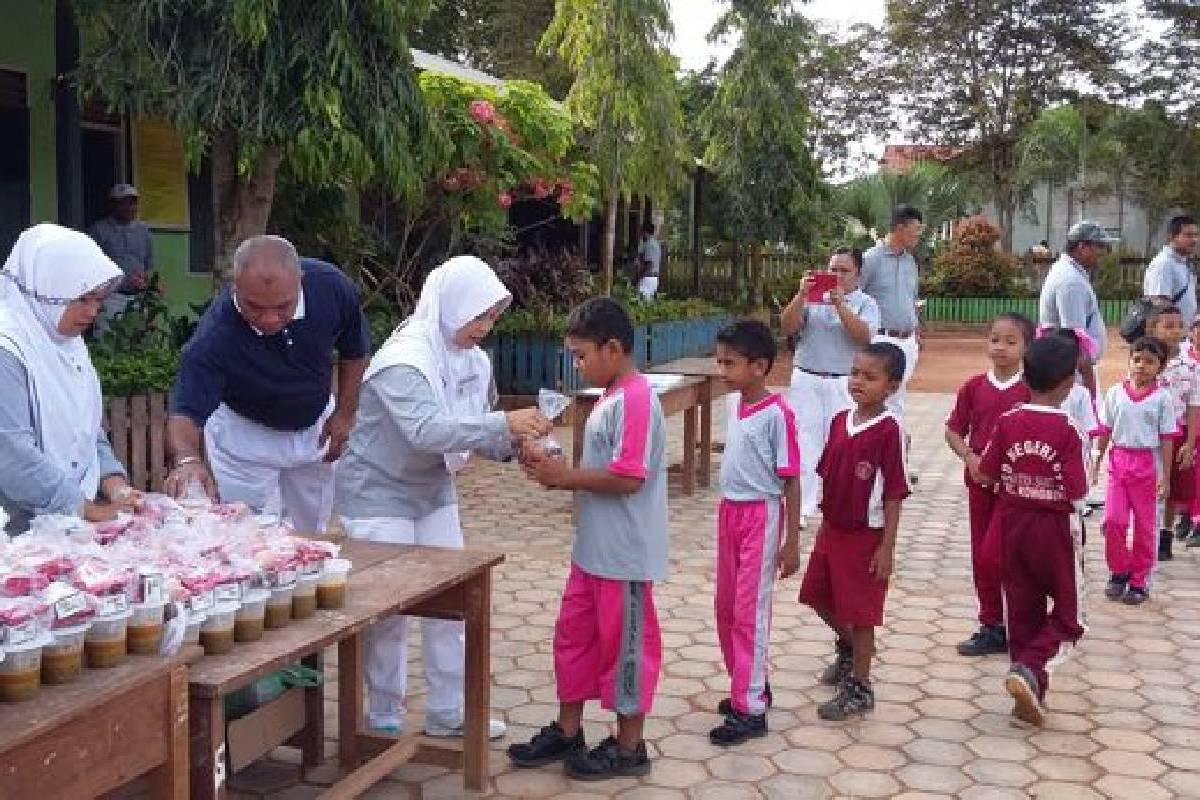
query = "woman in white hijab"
{"x": 426, "y": 405}
{"x": 54, "y": 456}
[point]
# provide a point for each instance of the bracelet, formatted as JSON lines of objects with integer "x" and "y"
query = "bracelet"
{"x": 186, "y": 460}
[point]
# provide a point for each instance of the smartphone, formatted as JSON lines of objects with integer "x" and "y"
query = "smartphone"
{"x": 822, "y": 283}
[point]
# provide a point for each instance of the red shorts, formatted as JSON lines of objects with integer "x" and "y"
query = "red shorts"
{"x": 839, "y": 580}
{"x": 1183, "y": 479}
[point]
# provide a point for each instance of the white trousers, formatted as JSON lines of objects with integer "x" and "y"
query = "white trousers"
{"x": 442, "y": 641}
{"x": 273, "y": 472}
{"x": 815, "y": 400}
{"x": 648, "y": 286}
{"x": 895, "y": 403}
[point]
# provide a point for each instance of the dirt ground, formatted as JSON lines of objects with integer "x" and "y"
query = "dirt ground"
{"x": 951, "y": 356}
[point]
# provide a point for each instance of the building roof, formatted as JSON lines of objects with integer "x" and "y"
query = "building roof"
{"x": 900, "y": 158}
{"x": 444, "y": 66}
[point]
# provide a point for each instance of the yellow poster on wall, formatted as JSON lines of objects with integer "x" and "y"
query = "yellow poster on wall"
{"x": 160, "y": 174}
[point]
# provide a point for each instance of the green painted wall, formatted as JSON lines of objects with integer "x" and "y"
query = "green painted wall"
{"x": 27, "y": 45}
{"x": 183, "y": 287}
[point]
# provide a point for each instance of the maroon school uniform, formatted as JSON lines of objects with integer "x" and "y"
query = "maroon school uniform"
{"x": 1036, "y": 454}
{"x": 981, "y": 401}
{"x": 861, "y": 468}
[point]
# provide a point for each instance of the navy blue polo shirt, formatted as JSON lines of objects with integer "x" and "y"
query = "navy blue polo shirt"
{"x": 280, "y": 381}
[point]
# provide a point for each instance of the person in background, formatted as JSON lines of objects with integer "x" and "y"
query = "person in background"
{"x": 1138, "y": 418}
{"x": 256, "y": 379}
{"x": 828, "y": 334}
{"x": 426, "y": 405}
{"x": 1035, "y": 456}
{"x": 54, "y": 456}
{"x": 889, "y": 275}
{"x": 1182, "y": 381}
{"x": 980, "y": 402}
{"x": 1041, "y": 251}
{"x": 758, "y": 524}
{"x": 1168, "y": 279}
{"x": 649, "y": 262}
{"x": 1068, "y": 300}
{"x": 607, "y": 643}
{"x": 852, "y": 559}
{"x": 127, "y": 241}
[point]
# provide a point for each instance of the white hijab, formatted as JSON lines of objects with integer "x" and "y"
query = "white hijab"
{"x": 48, "y": 268}
{"x": 454, "y": 294}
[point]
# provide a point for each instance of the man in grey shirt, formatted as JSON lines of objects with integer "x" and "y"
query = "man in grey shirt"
{"x": 889, "y": 275}
{"x": 126, "y": 240}
{"x": 1067, "y": 299}
{"x": 649, "y": 262}
{"x": 1168, "y": 279}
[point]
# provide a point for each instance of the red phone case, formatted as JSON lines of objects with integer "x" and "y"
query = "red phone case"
{"x": 822, "y": 283}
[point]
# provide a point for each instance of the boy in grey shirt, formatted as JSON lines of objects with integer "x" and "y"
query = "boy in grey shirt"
{"x": 607, "y": 644}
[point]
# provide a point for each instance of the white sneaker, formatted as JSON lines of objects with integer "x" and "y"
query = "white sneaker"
{"x": 440, "y": 729}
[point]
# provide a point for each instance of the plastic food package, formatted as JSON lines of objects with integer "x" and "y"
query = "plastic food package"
{"x": 552, "y": 405}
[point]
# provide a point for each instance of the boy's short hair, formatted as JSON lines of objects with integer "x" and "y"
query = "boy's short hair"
{"x": 1161, "y": 311}
{"x": 1153, "y": 345}
{"x": 892, "y": 357}
{"x": 1024, "y": 324}
{"x": 904, "y": 214}
{"x": 1178, "y": 223}
{"x": 750, "y": 339}
{"x": 1049, "y": 361}
{"x": 599, "y": 320}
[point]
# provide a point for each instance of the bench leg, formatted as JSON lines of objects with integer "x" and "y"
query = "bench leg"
{"x": 312, "y": 737}
{"x": 689, "y": 451}
{"x": 206, "y": 718}
{"x": 170, "y": 781}
{"x": 478, "y": 679}
{"x": 350, "y": 700}
{"x": 706, "y": 419}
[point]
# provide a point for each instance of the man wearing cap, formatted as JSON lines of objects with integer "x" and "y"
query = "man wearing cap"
{"x": 126, "y": 240}
{"x": 1068, "y": 299}
{"x": 256, "y": 378}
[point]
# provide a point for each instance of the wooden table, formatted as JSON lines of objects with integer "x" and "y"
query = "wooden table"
{"x": 714, "y": 387}
{"x": 386, "y": 579}
{"x": 95, "y": 735}
{"x": 691, "y": 395}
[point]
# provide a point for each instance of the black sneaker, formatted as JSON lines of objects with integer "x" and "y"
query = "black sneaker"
{"x": 1117, "y": 583}
{"x": 607, "y": 761}
{"x": 1183, "y": 527}
{"x": 1022, "y": 685}
{"x": 839, "y": 670}
{"x": 1164, "y": 546}
{"x": 988, "y": 640}
{"x": 1136, "y": 596}
{"x": 738, "y": 728}
{"x": 547, "y": 746}
{"x": 725, "y": 707}
{"x": 853, "y": 698}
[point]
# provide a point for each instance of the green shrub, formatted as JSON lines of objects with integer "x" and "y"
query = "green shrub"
{"x": 970, "y": 265}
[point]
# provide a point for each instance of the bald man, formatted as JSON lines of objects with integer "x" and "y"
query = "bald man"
{"x": 255, "y": 380}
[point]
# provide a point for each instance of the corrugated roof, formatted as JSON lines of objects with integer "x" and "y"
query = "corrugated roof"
{"x": 444, "y": 66}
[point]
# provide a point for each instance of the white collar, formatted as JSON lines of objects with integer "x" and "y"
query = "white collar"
{"x": 1043, "y": 409}
{"x": 298, "y": 314}
{"x": 1004, "y": 385}
{"x": 854, "y": 430}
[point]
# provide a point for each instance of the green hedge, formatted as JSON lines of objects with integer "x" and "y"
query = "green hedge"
{"x": 980, "y": 310}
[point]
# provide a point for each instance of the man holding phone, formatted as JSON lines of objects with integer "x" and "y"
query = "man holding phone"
{"x": 831, "y": 320}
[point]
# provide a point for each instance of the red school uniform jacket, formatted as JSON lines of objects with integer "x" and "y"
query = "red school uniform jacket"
{"x": 980, "y": 402}
{"x": 1036, "y": 454}
{"x": 861, "y": 467}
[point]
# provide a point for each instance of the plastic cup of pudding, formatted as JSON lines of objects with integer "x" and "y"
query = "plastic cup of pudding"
{"x": 331, "y": 588}
{"x": 191, "y": 634}
{"x": 62, "y": 658}
{"x": 216, "y": 632}
{"x": 145, "y": 628}
{"x": 105, "y": 643}
{"x": 279, "y": 607}
{"x": 21, "y": 670}
{"x": 304, "y": 598}
{"x": 252, "y": 616}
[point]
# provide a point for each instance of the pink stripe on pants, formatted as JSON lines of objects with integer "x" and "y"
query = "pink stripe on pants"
{"x": 747, "y": 543}
{"x": 607, "y": 643}
{"x": 1132, "y": 494}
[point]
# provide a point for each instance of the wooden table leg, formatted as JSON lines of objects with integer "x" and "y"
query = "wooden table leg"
{"x": 312, "y": 738}
{"x": 350, "y": 699}
{"x": 706, "y": 398}
{"x": 477, "y": 614}
{"x": 170, "y": 781}
{"x": 206, "y": 722}
{"x": 689, "y": 450}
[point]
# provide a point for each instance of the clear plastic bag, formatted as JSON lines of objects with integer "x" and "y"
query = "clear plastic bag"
{"x": 552, "y": 405}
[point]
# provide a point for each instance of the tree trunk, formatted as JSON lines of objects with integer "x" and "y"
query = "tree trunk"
{"x": 243, "y": 202}
{"x": 608, "y": 242}
{"x": 1049, "y": 211}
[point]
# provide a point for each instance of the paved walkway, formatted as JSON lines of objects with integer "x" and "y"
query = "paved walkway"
{"x": 1124, "y": 721}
